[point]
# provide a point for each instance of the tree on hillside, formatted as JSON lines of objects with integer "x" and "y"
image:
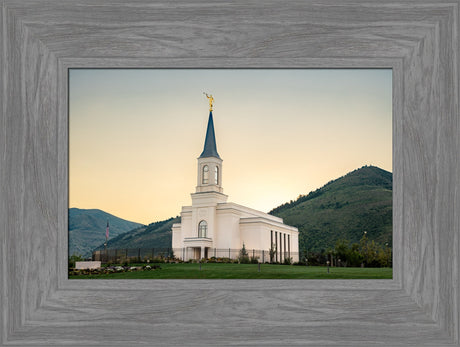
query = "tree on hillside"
{"x": 243, "y": 256}
{"x": 363, "y": 245}
{"x": 342, "y": 250}
{"x": 354, "y": 257}
{"x": 384, "y": 256}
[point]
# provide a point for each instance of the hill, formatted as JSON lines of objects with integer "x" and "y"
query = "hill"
{"x": 343, "y": 209}
{"x": 155, "y": 235}
{"x": 87, "y": 229}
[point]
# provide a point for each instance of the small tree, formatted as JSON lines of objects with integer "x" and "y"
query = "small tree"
{"x": 364, "y": 248}
{"x": 272, "y": 252}
{"x": 354, "y": 257}
{"x": 287, "y": 261}
{"x": 383, "y": 257}
{"x": 243, "y": 256}
{"x": 372, "y": 252}
{"x": 342, "y": 250}
{"x": 254, "y": 260}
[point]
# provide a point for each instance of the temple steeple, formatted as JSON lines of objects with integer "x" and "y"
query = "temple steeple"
{"x": 210, "y": 149}
{"x": 209, "y": 178}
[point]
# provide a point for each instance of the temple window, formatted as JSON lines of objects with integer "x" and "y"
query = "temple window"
{"x": 202, "y": 229}
{"x": 205, "y": 179}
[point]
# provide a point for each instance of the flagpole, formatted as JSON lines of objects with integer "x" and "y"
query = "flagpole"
{"x": 106, "y": 241}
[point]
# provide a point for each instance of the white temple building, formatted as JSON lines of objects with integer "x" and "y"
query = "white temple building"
{"x": 211, "y": 226}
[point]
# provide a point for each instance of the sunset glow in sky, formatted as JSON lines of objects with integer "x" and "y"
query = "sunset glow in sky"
{"x": 135, "y": 134}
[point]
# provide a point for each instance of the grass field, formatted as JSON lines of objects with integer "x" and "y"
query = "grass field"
{"x": 247, "y": 271}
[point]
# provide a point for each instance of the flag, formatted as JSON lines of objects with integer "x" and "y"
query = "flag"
{"x": 107, "y": 231}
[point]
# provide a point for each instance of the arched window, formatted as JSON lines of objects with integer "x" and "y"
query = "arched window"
{"x": 202, "y": 229}
{"x": 216, "y": 175}
{"x": 205, "y": 179}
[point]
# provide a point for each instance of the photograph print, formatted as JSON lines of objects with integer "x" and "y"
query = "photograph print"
{"x": 230, "y": 173}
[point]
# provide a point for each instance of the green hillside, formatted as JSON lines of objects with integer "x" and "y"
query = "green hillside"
{"x": 87, "y": 229}
{"x": 343, "y": 209}
{"x": 155, "y": 235}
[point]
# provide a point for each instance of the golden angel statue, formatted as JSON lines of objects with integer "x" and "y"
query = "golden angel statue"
{"x": 211, "y": 100}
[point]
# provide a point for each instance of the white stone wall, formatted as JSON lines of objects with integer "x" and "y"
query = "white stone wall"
{"x": 82, "y": 265}
{"x": 253, "y": 235}
{"x": 295, "y": 243}
{"x": 257, "y": 235}
{"x": 177, "y": 236}
{"x": 229, "y": 225}
{"x": 228, "y": 229}
{"x": 186, "y": 225}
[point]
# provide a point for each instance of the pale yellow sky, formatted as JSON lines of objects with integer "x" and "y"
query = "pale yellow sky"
{"x": 135, "y": 134}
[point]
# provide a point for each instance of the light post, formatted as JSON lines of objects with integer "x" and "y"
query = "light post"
{"x": 328, "y": 262}
{"x": 106, "y": 241}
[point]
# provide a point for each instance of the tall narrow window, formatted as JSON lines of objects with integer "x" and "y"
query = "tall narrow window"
{"x": 216, "y": 175}
{"x": 202, "y": 229}
{"x": 205, "y": 179}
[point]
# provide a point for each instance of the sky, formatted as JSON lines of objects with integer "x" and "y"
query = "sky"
{"x": 135, "y": 134}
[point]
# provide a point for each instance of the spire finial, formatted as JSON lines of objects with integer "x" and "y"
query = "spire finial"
{"x": 211, "y": 100}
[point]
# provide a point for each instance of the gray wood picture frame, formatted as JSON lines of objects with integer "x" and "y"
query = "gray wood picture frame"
{"x": 41, "y": 39}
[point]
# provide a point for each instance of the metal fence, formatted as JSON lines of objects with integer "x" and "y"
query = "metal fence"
{"x": 210, "y": 254}
{"x": 130, "y": 255}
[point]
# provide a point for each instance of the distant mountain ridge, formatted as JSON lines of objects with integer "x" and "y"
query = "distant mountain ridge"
{"x": 154, "y": 235}
{"x": 343, "y": 209}
{"x": 87, "y": 229}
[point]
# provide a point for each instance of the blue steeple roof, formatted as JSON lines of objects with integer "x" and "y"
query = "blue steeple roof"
{"x": 210, "y": 149}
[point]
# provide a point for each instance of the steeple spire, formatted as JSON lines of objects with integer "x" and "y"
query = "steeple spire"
{"x": 210, "y": 149}
{"x": 209, "y": 178}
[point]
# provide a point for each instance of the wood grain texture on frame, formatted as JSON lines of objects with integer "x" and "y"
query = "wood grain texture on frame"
{"x": 41, "y": 39}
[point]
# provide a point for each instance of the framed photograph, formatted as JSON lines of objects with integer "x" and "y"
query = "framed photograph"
{"x": 307, "y": 177}
{"x": 43, "y": 39}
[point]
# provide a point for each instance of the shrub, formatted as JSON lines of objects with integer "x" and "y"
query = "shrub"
{"x": 287, "y": 261}
{"x": 158, "y": 259}
{"x": 254, "y": 260}
{"x": 272, "y": 252}
{"x": 243, "y": 257}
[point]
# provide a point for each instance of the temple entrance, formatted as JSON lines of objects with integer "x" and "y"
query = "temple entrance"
{"x": 198, "y": 253}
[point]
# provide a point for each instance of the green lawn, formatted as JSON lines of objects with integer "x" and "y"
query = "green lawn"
{"x": 247, "y": 271}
